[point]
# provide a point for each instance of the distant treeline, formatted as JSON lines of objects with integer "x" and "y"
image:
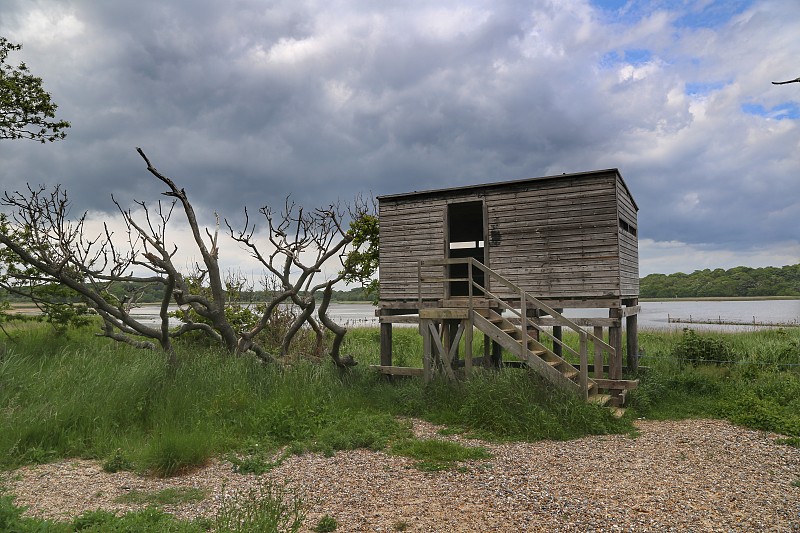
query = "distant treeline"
{"x": 151, "y": 293}
{"x": 739, "y": 281}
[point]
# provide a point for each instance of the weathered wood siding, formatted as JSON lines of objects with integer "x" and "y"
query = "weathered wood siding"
{"x": 557, "y": 237}
{"x": 628, "y": 243}
{"x": 410, "y": 231}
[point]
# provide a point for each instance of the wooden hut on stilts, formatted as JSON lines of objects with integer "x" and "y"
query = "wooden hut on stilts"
{"x": 506, "y": 259}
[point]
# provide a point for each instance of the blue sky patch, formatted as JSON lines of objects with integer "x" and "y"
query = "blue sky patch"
{"x": 702, "y": 89}
{"x": 635, "y": 56}
{"x": 790, "y": 110}
{"x": 715, "y": 14}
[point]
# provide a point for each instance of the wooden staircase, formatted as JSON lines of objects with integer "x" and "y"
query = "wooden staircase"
{"x": 511, "y": 323}
{"x": 508, "y": 322}
{"x": 537, "y": 356}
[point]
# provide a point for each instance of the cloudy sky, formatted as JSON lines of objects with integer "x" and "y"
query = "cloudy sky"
{"x": 244, "y": 102}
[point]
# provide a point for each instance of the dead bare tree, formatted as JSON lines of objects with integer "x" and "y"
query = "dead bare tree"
{"x": 42, "y": 247}
{"x": 299, "y": 244}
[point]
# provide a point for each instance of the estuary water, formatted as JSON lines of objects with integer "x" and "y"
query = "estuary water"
{"x": 748, "y": 314}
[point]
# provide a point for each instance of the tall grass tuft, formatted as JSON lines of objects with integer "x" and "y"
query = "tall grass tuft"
{"x": 268, "y": 507}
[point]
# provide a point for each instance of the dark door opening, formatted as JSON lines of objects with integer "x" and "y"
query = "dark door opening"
{"x": 465, "y": 238}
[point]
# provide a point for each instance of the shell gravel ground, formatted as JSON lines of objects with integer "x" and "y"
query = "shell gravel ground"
{"x": 690, "y": 475}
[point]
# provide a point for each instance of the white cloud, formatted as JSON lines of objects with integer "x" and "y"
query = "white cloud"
{"x": 246, "y": 103}
{"x": 668, "y": 257}
{"x": 47, "y": 27}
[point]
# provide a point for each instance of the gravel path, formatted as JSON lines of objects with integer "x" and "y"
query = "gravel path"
{"x": 691, "y": 475}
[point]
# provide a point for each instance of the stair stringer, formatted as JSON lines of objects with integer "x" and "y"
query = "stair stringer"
{"x": 536, "y": 363}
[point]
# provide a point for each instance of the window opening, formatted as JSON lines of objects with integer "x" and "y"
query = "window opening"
{"x": 628, "y": 228}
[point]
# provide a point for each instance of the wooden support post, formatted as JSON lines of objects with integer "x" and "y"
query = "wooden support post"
{"x": 467, "y": 346}
{"x": 557, "y": 333}
{"x": 615, "y": 340}
{"x": 632, "y": 331}
{"x": 583, "y": 376}
{"x": 487, "y": 350}
{"x": 386, "y": 344}
{"x": 445, "y": 339}
{"x": 598, "y": 353}
{"x": 427, "y": 348}
{"x": 497, "y": 354}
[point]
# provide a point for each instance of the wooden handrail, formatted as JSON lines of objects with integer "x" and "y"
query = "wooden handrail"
{"x": 584, "y": 336}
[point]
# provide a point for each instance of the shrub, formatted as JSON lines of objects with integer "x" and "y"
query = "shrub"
{"x": 116, "y": 463}
{"x": 693, "y": 348}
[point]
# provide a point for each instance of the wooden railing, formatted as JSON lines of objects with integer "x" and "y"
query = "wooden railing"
{"x": 526, "y": 302}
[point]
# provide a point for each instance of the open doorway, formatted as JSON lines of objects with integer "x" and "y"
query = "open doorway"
{"x": 466, "y": 237}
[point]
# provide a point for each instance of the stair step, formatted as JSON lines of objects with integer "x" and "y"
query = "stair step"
{"x": 618, "y": 412}
{"x": 569, "y": 374}
{"x": 600, "y": 399}
{"x": 540, "y": 353}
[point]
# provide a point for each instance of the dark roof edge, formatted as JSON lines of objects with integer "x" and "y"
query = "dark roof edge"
{"x": 509, "y": 183}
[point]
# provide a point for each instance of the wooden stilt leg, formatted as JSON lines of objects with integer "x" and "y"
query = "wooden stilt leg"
{"x": 598, "y": 353}
{"x": 386, "y": 344}
{"x": 632, "y": 330}
{"x": 558, "y": 334}
{"x": 427, "y": 348}
{"x": 467, "y": 347}
{"x": 497, "y": 355}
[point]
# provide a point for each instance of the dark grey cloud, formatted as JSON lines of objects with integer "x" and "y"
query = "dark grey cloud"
{"x": 244, "y": 103}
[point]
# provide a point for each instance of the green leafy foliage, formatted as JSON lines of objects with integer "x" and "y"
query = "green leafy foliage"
{"x": 26, "y": 110}
{"x": 739, "y": 281}
{"x": 10, "y": 515}
{"x": 361, "y": 263}
{"x": 698, "y": 349}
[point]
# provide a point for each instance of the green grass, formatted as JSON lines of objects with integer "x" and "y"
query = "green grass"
{"x": 758, "y": 389}
{"x": 435, "y": 455}
{"x": 794, "y": 442}
{"x": 326, "y": 524}
{"x": 77, "y": 395}
{"x": 82, "y": 396}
